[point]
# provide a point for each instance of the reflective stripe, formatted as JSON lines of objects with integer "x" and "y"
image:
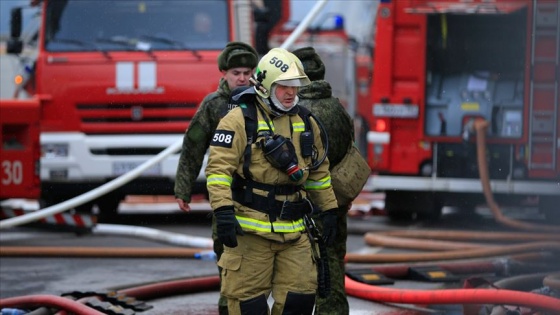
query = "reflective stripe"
{"x": 298, "y": 126}
{"x": 320, "y": 184}
{"x": 219, "y": 180}
{"x": 264, "y": 126}
{"x": 263, "y": 226}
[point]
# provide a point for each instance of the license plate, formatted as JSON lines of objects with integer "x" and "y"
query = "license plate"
{"x": 120, "y": 168}
{"x": 395, "y": 110}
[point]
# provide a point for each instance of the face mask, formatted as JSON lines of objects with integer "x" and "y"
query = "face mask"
{"x": 280, "y": 152}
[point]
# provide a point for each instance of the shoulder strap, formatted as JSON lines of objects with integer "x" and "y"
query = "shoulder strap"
{"x": 250, "y": 115}
{"x": 305, "y": 113}
{"x": 307, "y": 137}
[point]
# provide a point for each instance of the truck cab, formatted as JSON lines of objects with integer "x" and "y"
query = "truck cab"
{"x": 118, "y": 82}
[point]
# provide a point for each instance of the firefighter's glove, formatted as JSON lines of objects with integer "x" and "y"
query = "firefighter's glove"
{"x": 227, "y": 226}
{"x": 329, "y": 226}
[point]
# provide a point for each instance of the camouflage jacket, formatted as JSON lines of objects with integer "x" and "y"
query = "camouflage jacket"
{"x": 197, "y": 139}
{"x": 318, "y": 98}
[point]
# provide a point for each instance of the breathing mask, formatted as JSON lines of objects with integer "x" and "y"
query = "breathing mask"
{"x": 280, "y": 152}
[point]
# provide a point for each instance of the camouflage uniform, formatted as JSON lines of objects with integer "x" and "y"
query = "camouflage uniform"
{"x": 195, "y": 143}
{"x": 201, "y": 130}
{"x": 197, "y": 139}
{"x": 318, "y": 98}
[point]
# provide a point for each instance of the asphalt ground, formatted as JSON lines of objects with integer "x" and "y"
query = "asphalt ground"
{"x": 23, "y": 276}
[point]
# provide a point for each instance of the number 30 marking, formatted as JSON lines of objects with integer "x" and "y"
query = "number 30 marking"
{"x": 12, "y": 173}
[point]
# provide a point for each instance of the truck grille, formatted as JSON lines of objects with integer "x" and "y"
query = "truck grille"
{"x": 135, "y": 118}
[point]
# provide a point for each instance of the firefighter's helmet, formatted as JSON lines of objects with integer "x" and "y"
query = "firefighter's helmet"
{"x": 279, "y": 66}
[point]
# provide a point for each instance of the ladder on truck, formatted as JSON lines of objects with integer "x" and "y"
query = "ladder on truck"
{"x": 544, "y": 86}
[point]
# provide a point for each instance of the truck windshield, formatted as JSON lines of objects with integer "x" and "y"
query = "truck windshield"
{"x": 117, "y": 25}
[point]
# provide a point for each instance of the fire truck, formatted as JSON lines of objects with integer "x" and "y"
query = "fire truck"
{"x": 117, "y": 82}
{"x": 441, "y": 66}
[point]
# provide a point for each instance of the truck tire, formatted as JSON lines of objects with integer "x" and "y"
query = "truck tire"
{"x": 410, "y": 205}
{"x": 399, "y": 206}
{"x": 108, "y": 207}
{"x": 48, "y": 201}
{"x": 429, "y": 206}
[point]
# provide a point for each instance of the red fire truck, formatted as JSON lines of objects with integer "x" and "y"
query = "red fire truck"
{"x": 118, "y": 82}
{"x": 439, "y": 66}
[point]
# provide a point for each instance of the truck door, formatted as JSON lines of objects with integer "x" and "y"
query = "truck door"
{"x": 20, "y": 152}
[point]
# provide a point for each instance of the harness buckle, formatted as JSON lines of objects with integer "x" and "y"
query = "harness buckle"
{"x": 295, "y": 210}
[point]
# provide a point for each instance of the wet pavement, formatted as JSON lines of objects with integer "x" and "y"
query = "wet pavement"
{"x": 21, "y": 276}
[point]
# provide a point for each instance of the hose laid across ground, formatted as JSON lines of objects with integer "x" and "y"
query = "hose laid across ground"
{"x": 30, "y": 301}
{"x": 133, "y": 252}
{"x": 552, "y": 281}
{"x": 379, "y": 240}
{"x": 113, "y": 252}
{"x": 451, "y": 296}
{"x": 153, "y": 234}
{"x": 514, "y": 264}
{"x": 453, "y": 254}
{"x": 483, "y": 236}
{"x": 173, "y": 287}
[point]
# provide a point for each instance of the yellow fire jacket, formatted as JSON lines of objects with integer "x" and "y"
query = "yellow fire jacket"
{"x": 226, "y": 159}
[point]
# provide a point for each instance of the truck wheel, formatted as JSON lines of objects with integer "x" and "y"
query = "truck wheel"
{"x": 45, "y": 202}
{"x": 429, "y": 206}
{"x": 108, "y": 207}
{"x": 399, "y": 206}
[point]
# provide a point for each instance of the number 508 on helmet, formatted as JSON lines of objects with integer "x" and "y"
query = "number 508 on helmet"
{"x": 281, "y": 67}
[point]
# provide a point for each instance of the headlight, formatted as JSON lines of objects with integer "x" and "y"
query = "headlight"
{"x": 54, "y": 150}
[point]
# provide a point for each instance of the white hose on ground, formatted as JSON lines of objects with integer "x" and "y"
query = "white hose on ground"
{"x": 153, "y": 234}
{"x": 92, "y": 194}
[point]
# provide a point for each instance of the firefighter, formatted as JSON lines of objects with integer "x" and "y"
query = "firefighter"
{"x": 317, "y": 97}
{"x": 259, "y": 188}
{"x": 236, "y": 63}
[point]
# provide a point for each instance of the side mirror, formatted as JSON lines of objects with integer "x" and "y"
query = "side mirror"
{"x": 14, "y": 46}
{"x": 15, "y": 23}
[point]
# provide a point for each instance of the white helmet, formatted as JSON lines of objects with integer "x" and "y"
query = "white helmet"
{"x": 279, "y": 66}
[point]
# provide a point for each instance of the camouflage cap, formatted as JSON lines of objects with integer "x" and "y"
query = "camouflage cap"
{"x": 312, "y": 63}
{"x": 237, "y": 54}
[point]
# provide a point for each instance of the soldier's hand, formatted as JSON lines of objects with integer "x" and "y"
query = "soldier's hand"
{"x": 329, "y": 226}
{"x": 183, "y": 205}
{"x": 227, "y": 226}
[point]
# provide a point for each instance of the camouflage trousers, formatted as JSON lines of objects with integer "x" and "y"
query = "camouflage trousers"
{"x": 336, "y": 303}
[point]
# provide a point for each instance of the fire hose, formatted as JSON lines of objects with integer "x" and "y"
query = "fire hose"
{"x": 453, "y": 254}
{"x": 451, "y": 296}
{"x": 513, "y": 264}
{"x": 30, "y": 301}
{"x": 480, "y": 128}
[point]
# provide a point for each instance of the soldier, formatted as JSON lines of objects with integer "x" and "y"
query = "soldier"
{"x": 317, "y": 97}
{"x": 259, "y": 186}
{"x": 236, "y": 62}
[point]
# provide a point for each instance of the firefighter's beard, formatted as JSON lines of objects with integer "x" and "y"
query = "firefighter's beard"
{"x": 277, "y": 105}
